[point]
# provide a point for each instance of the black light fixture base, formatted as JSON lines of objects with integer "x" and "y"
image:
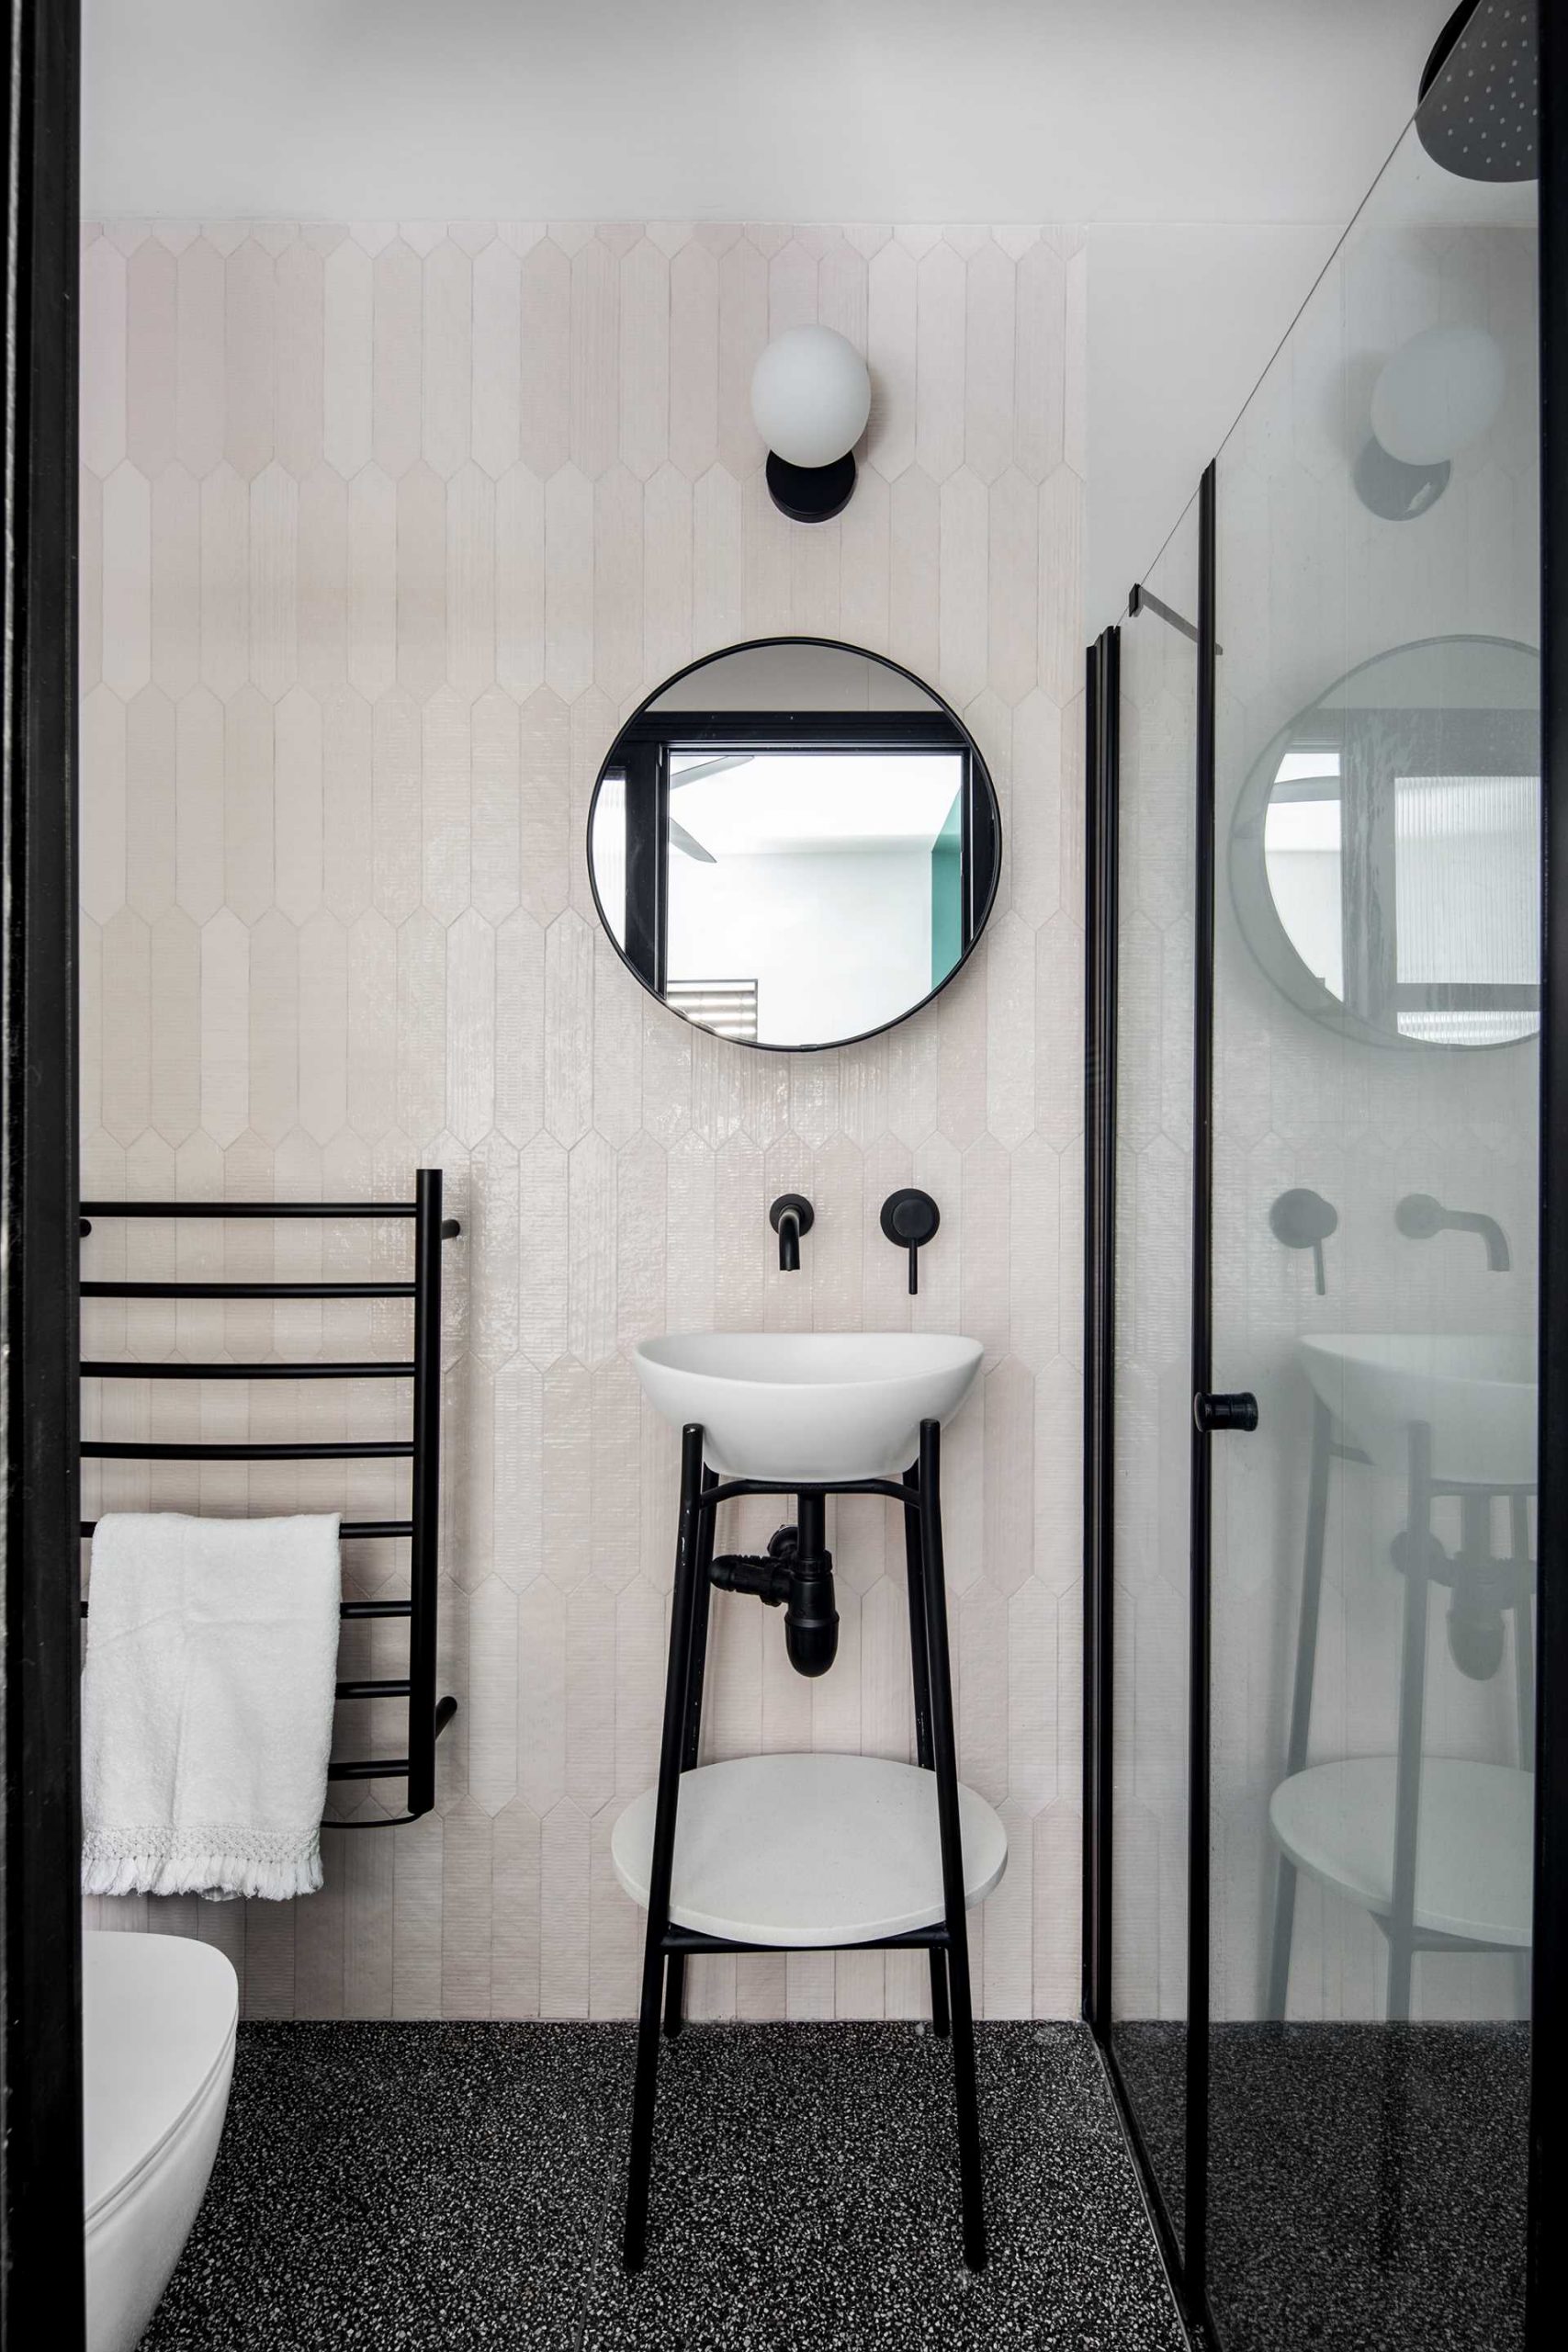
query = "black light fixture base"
{"x": 1397, "y": 492}
{"x": 811, "y": 493}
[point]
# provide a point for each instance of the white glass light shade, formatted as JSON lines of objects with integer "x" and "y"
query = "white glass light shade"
{"x": 810, "y": 396}
{"x": 1438, "y": 392}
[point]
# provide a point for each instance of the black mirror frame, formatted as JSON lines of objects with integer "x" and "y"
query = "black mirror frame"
{"x": 1258, "y": 917}
{"x": 983, "y": 787}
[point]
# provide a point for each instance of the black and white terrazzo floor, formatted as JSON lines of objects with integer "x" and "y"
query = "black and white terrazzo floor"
{"x": 1366, "y": 2182}
{"x": 391, "y": 2185}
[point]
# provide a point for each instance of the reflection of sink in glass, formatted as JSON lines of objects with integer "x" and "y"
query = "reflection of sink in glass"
{"x": 1475, "y": 1390}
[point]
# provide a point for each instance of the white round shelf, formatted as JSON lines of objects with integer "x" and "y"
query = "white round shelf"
{"x": 808, "y": 1850}
{"x": 1474, "y": 1838}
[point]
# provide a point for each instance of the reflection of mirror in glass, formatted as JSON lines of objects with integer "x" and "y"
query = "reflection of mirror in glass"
{"x": 1399, "y": 819}
{"x": 793, "y": 845}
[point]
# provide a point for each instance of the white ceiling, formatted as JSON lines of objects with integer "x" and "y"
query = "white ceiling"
{"x": 1169, "y": 110}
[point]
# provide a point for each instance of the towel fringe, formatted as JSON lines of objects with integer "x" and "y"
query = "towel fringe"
{"x": 218, "y": 1874}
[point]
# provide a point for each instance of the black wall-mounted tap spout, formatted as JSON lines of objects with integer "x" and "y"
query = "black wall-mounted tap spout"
{"x": 908, "y": 1219}
{"x": 791, "y": 1215}
{"x": 1419, "y": 1217}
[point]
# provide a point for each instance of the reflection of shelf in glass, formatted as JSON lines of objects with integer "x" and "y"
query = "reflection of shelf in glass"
{"x": 1472, "y": 1870}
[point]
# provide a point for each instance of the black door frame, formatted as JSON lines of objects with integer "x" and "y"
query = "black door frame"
{"x": 1182, "y": 2249}
{"x": 41, "y": 2152}
{"x": 1547, "y": 2255}
{"x": 1101, "y": 702}
{"x": 1186, "y": 2255}
{"x": 40, "y": 2255}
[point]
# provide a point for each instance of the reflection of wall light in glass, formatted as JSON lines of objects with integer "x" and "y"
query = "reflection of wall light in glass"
{"x": 1436, "y": 394}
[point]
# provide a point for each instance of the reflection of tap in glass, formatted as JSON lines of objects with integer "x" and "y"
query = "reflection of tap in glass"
{"x": 1419, "y": 1217}
{"x": 1303, "y": 1220}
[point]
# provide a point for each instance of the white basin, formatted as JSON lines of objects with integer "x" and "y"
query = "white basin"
{"x": 1475, "y": 1391}
{"x": 809, "y": 1405}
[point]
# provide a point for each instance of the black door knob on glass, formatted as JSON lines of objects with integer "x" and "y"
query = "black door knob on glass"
{"x": 1214, "y": 1414}
{"x": 908, "y": 1219}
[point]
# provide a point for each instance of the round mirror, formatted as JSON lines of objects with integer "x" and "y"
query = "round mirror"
{"x": 1385, "y": 856}
{"x": 794, "y": 844}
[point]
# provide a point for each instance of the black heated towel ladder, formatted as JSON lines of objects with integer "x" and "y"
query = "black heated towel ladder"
{"x": 427, "y": 1717}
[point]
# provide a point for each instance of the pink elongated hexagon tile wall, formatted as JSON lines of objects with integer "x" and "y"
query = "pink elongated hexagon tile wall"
{"x": 384, "y": 530}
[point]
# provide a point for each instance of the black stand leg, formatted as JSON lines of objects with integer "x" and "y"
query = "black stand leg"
{"x": 677, "y": 1683}
{"x": 942, "y": 2021}
{"x": 945, "y": 1764}
{"x": 920, "y": 1659}
{"x": 674, "y": 1994}
{"x": 696, "y": 1660}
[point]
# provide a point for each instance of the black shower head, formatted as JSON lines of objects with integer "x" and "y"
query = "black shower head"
{"x": 1476, "y": 109}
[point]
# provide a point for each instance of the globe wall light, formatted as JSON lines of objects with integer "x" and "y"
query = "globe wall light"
{"x": 810, "y": 398}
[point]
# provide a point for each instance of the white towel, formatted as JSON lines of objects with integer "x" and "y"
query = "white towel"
{"x": 207, "y": 1705}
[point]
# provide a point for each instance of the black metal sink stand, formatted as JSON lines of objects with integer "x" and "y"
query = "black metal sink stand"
{"x": 667, "y": 1948}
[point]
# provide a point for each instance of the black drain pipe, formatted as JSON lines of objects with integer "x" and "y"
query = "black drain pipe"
{"x": 796, "y": 1575}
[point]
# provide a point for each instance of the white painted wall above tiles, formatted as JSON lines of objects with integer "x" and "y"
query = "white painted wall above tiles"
{"x": 384, "y": 531}
{"x": 1220, "y": 110}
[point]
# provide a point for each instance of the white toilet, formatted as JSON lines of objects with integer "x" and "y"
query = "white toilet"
{"x": 158, "y": 2017}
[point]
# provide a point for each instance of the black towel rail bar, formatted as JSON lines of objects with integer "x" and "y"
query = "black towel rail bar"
{"x": 97, "y": 1368}
{"x": 349, "y": 1530}
{"x": 249, "y": 1290}
{"x": 357, "y": 1449}
{"x": 346, "y": 1608}
{"x": 271, "y": 1210}
{"x": 427, "y": 1717}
